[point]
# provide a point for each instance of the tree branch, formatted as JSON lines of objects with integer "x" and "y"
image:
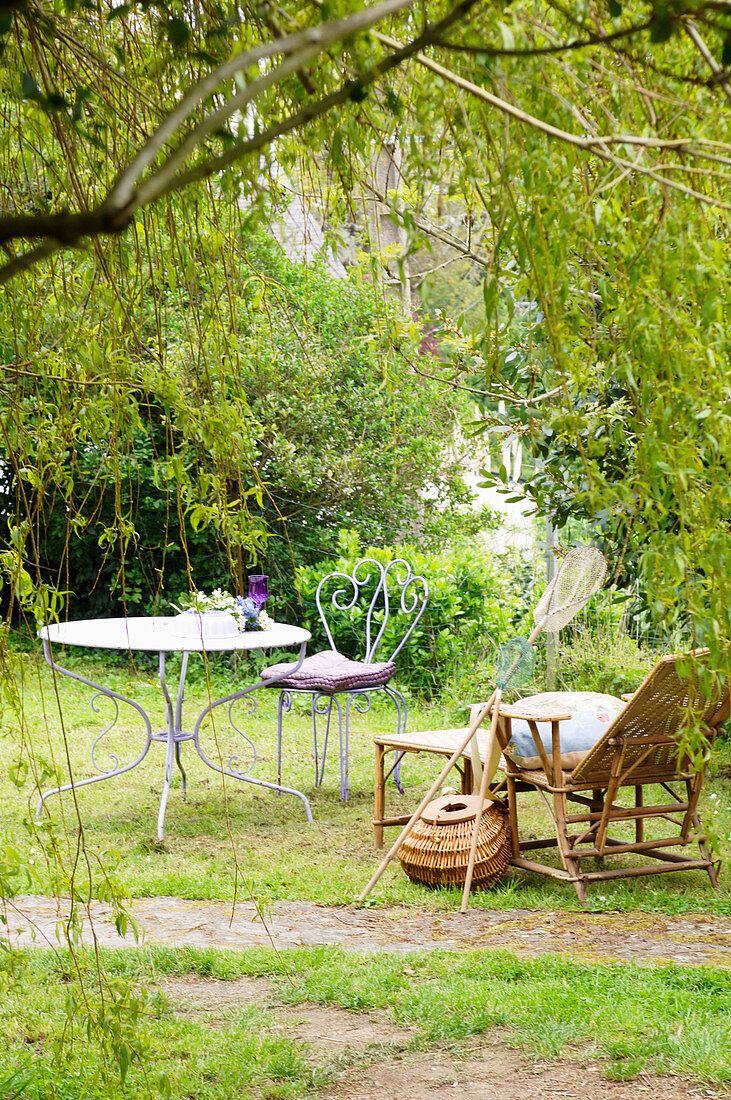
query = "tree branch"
{"x": 522, "y": 402}
{"x": 312, "y": 41}
{"x": 723, "y": 81}
{"x": 539, "y": 51}
{"x": 598, "y": 145}
{"x": 117, "y": 210}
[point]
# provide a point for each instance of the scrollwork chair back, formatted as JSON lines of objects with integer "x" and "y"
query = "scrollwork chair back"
{"x": 364, "y": 604}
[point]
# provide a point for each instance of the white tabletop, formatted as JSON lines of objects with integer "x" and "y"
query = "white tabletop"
{"x": 162, "y": 634}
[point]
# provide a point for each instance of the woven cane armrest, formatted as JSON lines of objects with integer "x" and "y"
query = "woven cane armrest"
{"x": 515, "y": 710}
{"x": 657, "y": 713}
{"x": 518, "y": 710}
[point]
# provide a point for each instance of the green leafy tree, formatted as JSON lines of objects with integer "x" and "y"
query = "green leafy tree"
{"x": 593, "y": 142}
{"x": 297, "y": 418}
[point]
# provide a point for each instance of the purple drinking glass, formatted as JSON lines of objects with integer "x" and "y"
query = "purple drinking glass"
{"x": 259, "y": 589}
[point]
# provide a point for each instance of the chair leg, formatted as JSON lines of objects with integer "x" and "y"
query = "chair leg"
{"x": 343, "y": 758}
{"x": 512, "y": 817}
{"x": 284, "y": 703}
{"x": 379, "y": 797}
{"x": 571, "y": 862}
{"x": 597, "y": 803}
{"x": 692, "y": 793}
{"x": 317, "y": 699}
{"x": 714, "y": 865}
{"x": 562, "y": 836}
{"x": 580, "y": 886}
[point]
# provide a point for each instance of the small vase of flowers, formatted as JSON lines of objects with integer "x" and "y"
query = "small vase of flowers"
{"x": 242, "y": 609}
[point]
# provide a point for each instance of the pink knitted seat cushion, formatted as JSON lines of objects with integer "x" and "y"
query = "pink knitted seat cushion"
{"x": 330, "y": 672}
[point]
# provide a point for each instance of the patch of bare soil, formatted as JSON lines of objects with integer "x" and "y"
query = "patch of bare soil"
{"x": 372, "y": 1059}
{"x": 318, "y": 1027}
{"x": 496, "y": 1071}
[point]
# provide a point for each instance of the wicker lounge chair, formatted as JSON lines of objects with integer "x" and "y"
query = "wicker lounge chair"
{"x": 641, "y": 749}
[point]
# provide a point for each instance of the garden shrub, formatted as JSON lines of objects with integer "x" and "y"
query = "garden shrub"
{"x": 590, "y": 660}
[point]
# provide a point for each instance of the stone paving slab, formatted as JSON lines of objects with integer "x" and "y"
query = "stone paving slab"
{"x": 691, "y": 939}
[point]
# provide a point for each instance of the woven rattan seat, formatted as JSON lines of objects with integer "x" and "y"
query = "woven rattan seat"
{"x": 644, "y": 749}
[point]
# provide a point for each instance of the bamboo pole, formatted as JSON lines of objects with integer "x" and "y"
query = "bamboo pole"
{"x": 488, "y": 771}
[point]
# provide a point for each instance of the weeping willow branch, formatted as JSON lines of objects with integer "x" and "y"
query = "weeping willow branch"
{"x": 723, "y": 79}
{"x": 486, "y": 50}
{"x": 596, "y": 144}
{"x": 116, "y": 212}
{"x": 141, "y": 183}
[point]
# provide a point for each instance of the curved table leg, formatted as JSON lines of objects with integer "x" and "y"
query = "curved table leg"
{"x": 169, "y": 755}
{"x": 110, "y": 694}
{"x": 179, "y": 723}
{"x": 174, "y": 737}
{"x": 259, "y": 782}
{"x": 92, "y": 779}
{"x": 181, "y": 769}
{"x": 230, "y": 699}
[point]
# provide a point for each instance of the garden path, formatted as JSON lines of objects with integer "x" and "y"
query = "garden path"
{"x": 690, "y": 939}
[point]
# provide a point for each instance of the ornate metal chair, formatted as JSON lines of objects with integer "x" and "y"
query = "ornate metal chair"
{"x": 371, "y": 597}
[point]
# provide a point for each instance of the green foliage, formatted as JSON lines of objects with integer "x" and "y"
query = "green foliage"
{"x": 659, "y": 1019}
{"x": 346, "y": 438}
{"x": 628, "y": 1018}
{"x": 601, "y": 661}
{"x": 165, "y": 1057}
{"x": 631, "y": 346}
{"x": 550, "y": 1004}
{"x": 469, "y": 610}
{"x": 164, "y": 395}
{"x": 290, "y": 417}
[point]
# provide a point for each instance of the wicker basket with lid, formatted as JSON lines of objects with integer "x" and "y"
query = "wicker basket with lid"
{"x": 437, "y": 850}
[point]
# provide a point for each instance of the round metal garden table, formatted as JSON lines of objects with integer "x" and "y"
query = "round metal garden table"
{"x": 164, "y": 635}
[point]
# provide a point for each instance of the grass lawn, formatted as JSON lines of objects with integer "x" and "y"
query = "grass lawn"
{"x": 629, "y": 1019}
{"x": 233, "y": 833}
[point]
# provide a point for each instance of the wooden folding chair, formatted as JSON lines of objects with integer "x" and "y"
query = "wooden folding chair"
{"x": 438, "y": 742}
{"x": 657, "y": 746}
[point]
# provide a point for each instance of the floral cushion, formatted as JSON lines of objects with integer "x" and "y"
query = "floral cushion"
{"x": 330, "y": 672}
{"x": 591, "y": 714}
